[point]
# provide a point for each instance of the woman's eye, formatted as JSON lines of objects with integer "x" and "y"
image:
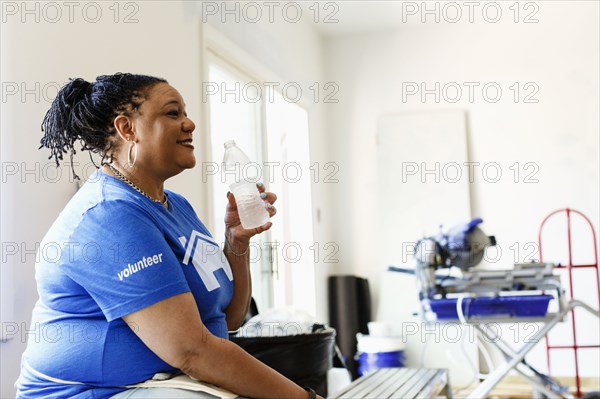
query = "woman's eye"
{"x": 173, "y": 113}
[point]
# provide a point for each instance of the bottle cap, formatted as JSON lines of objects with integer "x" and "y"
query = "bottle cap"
{"x": 229, "y": 143}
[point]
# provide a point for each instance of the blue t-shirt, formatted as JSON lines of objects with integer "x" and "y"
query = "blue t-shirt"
{"x": 110, "y": 253}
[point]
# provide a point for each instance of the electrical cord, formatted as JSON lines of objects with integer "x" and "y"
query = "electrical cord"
{"x": 480, "y": 344}
{"x": 463, "y": 320}
{"x": 486, "y": 357}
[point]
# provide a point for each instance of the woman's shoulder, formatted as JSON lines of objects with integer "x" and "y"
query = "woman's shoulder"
{"x": 97, "y": 205}
{"x": 102, "y": 193}
{"x": 106, "y": 196}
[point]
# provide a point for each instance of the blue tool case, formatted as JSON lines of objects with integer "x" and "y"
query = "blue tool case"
{"x": 513, "y": 306}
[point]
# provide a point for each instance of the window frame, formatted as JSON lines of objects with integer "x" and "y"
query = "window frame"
{"x": 227, "y": 54}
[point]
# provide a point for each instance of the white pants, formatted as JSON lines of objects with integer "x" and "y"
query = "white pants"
{"x": 161, "y": 393}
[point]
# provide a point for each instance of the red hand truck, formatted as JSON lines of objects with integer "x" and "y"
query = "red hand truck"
{"x": 571, "y": 269}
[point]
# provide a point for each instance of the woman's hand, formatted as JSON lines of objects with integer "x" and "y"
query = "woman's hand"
{"x": 234, "y": 232}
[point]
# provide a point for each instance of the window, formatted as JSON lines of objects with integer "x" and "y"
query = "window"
{"x": 287, "y": 132}
{"x": 274, "y": 133}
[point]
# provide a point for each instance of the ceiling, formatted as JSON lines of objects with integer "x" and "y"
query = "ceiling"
{"x": 353, "y": 16}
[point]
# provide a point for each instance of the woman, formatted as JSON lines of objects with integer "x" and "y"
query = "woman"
{"x": 138, "y": 285}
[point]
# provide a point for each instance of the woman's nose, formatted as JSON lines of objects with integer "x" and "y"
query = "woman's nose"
{"x": 188, "y": 125}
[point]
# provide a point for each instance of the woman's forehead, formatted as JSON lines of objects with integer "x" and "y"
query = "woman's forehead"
{"x": 162, "y": 93}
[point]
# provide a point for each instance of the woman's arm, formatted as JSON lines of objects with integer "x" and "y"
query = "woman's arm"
{"x": 238, "y": 256}
{"x": 173, "y": 330}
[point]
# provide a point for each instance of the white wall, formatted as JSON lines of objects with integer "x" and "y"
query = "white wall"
{"x": 559, "y": 133}
{"x": 164, "y": 42}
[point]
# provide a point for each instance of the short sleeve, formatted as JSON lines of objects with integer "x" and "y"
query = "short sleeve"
{"x": 120, "y": 256}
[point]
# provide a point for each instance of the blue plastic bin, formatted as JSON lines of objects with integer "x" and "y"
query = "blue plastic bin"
{"x": 514, "y": 306}
{"x": 379, "y": 351}
{"x": 368, "y": 362}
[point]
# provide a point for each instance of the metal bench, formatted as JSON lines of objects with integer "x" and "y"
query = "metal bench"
{"x": 398, "y": 383}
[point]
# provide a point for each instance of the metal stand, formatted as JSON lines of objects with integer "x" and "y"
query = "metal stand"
{"x": 516, "y": 360}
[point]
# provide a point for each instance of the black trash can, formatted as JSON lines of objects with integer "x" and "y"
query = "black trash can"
{"x": 349, "y": 314}
{"x": 304, "y": 359}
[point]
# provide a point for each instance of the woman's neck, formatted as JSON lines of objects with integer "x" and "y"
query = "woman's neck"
{"x": 154, "y": 188}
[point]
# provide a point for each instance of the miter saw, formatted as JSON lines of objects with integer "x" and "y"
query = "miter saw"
{"x": 446, "y": 270}
{"x": 452, "y": 287}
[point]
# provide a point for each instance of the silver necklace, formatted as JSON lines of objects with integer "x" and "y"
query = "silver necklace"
{"x": 131, "y": 184}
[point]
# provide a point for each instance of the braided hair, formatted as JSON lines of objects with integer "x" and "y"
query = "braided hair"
{"x": 85, "y": 111}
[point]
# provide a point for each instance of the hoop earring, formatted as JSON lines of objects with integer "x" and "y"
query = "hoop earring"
{"x": 134, "y": 147}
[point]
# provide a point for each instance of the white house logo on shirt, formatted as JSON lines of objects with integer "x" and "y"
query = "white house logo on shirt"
{"x": 206, "y": 258}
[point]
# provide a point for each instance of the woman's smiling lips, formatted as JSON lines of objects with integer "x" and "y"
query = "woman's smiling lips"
{"x": 186, "y": 143}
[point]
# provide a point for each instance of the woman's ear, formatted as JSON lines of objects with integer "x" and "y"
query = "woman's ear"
{"x": 124, "y": 127}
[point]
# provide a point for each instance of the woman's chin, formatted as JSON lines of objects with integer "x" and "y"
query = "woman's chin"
{"x": 189, "y": 164}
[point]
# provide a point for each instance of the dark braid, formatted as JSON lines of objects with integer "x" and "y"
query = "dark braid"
{"x": 86, "y": 111}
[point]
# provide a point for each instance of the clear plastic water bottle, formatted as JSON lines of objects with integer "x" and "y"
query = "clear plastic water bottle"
{"x": 251, "y": 207}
